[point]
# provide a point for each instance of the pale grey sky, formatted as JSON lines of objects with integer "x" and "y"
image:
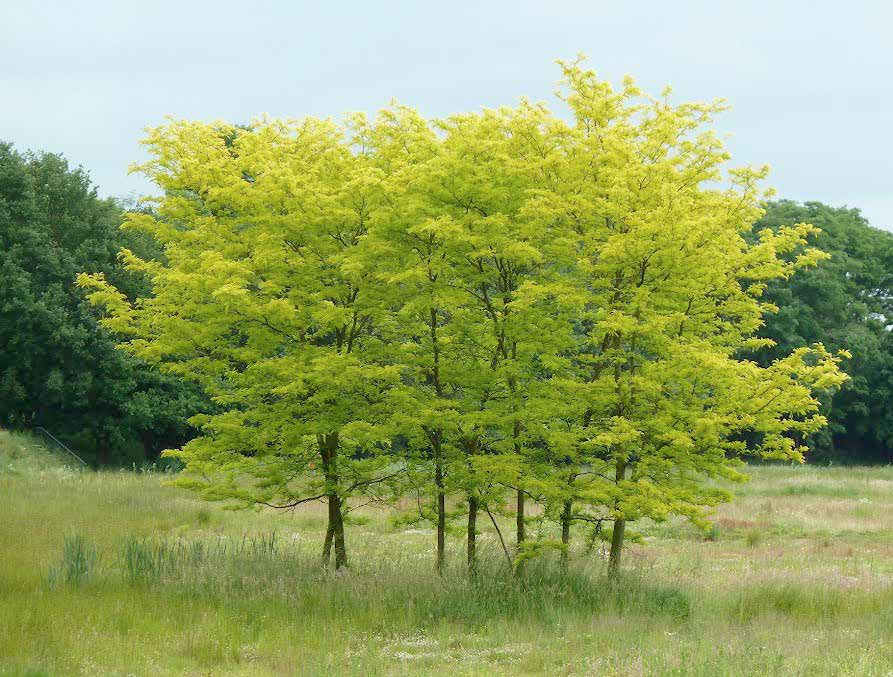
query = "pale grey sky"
{"x": 810, "y": 82}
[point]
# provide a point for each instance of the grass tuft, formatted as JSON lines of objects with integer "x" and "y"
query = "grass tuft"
{"x": 78, "y": 564}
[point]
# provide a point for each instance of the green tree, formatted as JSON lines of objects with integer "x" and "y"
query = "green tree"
{"x": 477, "y": 301}
{"x": 490, "y": 304}
{"x": 261, "y": 298}
{"x": 673, "y": 290}
{"x": 846, "y": 301}
{"x": 58, "y": 369}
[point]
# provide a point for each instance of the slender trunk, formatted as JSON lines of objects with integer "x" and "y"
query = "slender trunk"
{"x": 519, "y": 519}
{"x": 516, "y": 444}
{"x": 520, "y": 532}
{"x": 619, "y": 531}
{"x": 147, "y": 441}
{"x": 441, "y": 506}
{"x": 328, "y": 446}
{"x": 438, "y": 448}
{"x": 616, "y": 547}
{"x": 336, "y": 519}
{"x": 471, "y": 449}
{"x": 327, "y": 546}
{"x": 103, "y": 451}
{"x": 472, "y": 533}
{"x": 508, "y": 555}
{"x": 566, "y": 532}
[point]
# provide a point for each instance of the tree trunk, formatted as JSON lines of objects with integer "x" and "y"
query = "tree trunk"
{"x": 437, "y": 446}
{"x": 472, "y": 533}
{"x": 618, "y": 533}
{"x": 328, "y": 447}
{"x": 148, "y": 442}
{"x": 519, "y": 519}
{"x": 441, "y": 508}
{"x": 566, "y": 532}
{"x": 516, "y": 445}
{"x": 327, "y": 546}
{"x": 336, "y": 520}
{"x": 103, "y": 451}
{"x": 616, "y": 547}
{"x": 520, "y": 532}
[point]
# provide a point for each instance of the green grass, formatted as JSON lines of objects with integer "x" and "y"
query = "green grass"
{"x": 114, "y": 573}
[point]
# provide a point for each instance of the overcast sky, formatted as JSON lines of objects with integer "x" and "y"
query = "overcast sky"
{"x": 810, "y": 82}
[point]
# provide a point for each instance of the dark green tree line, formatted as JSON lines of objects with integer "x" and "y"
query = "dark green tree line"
{"x": 845, "y": 301}
{"x": 58, "y": 368}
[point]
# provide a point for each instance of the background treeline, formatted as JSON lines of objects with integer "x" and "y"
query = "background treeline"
{"x": 845, "y": 301}
{"x": 60, "y": 370}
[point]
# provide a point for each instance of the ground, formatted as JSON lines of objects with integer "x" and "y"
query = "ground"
{"x": 115, "y": 573}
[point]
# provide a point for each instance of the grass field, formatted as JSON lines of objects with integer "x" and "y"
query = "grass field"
{"x": 114, "y": 573}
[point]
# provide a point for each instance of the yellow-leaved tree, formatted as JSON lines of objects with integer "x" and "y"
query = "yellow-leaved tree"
{"x": 662, "y": 395}
{"x": 262, "y": 299}
{"x": 505, "y": 306}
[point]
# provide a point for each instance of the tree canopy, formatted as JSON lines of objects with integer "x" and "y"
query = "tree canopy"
{"x": 494, "y": 302}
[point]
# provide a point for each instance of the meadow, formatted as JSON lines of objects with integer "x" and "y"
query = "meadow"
{"x": 115, "y": 573}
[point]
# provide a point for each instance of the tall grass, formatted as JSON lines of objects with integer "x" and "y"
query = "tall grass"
{"x": 147, "y": 580}
{"x": 22, "y": 454}
{"x": 263, "y": 567}
{"x": 145, "y": 561}
{"x": 78, "y": 563}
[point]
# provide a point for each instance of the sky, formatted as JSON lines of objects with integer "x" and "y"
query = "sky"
{"x": 809, "y": 82}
